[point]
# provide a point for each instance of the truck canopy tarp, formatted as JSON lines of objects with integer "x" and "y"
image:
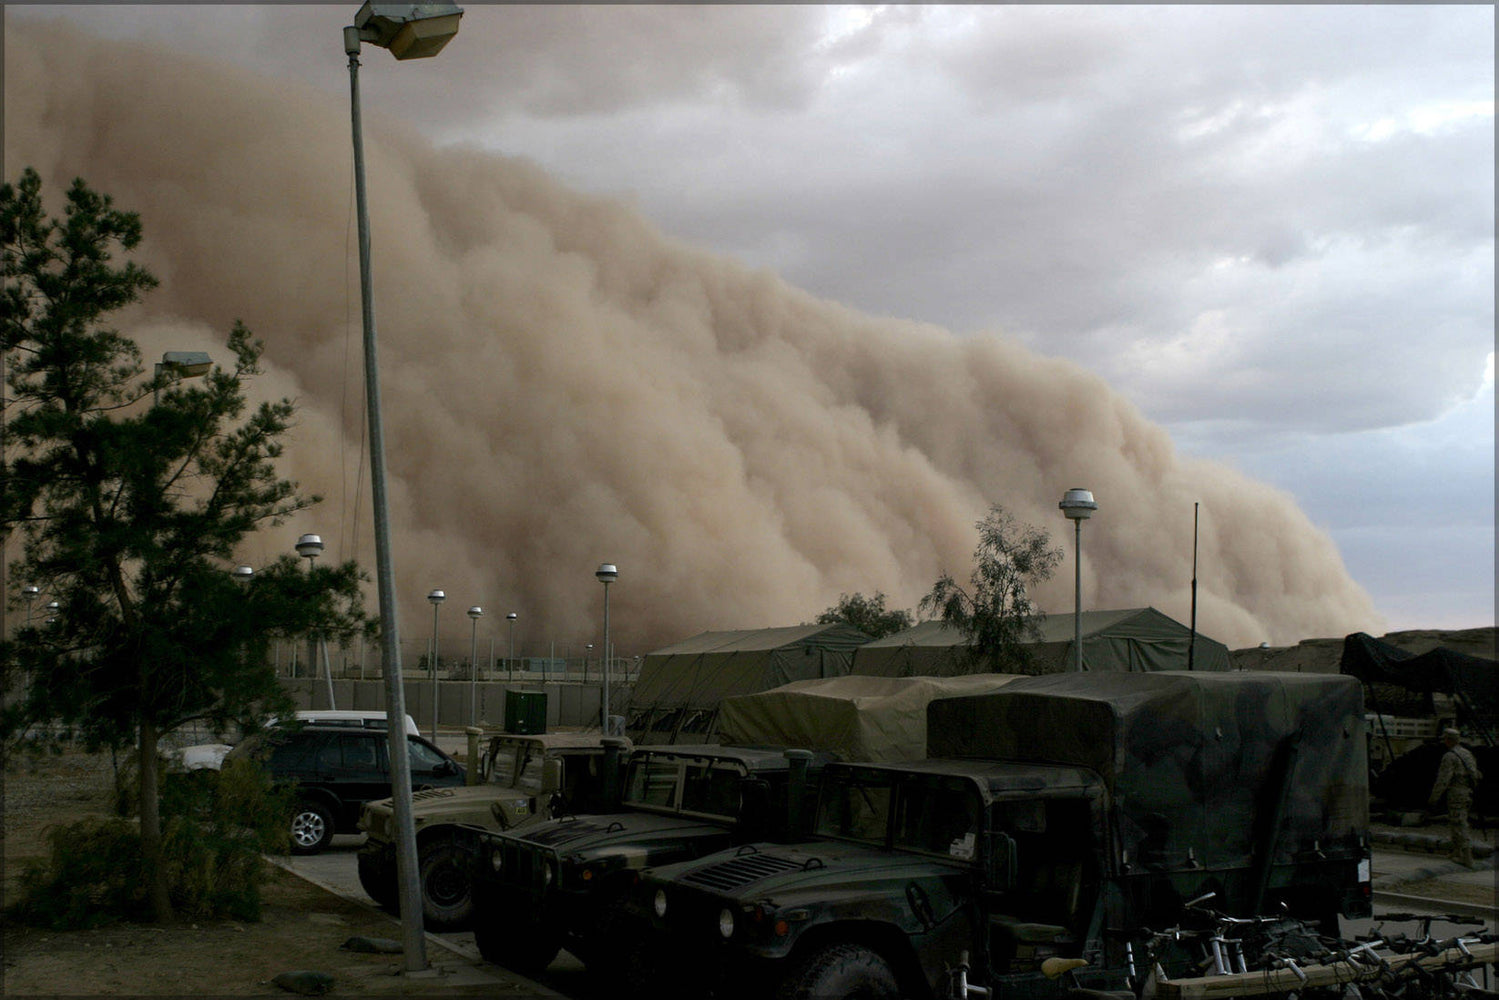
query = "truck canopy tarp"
{"x": 1133, "y": 640}
{"x": 1196, "y": 763}
{"x": 858, "y": 718}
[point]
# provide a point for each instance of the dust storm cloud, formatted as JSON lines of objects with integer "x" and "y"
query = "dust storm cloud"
{"x": 563, "y": 386}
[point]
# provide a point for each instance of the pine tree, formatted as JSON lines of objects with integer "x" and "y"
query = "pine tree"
{"x": 130, "y": 494}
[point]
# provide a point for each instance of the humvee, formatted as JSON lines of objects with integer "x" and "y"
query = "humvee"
{"x": 545, "y": 886}
{"x": 1058, "y": 818}
{"x": 523, "y": 779}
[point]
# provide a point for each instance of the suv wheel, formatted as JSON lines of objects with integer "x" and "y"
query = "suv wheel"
{"x": 311, "y": 828}
{"x": 844, "y": 971}
{"x": 447, "y": 868}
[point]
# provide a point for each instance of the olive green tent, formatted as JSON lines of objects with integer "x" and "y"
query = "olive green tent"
{"x": 680, "y": 687}
{"x": 1136, "y": 640}
{"x": 858, "y": 718}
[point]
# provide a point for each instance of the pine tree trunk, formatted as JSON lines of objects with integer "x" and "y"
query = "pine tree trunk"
{"x": 156, "y": 877}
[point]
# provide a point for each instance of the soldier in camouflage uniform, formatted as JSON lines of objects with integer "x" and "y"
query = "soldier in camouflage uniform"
{"x": 1456, "y": 779}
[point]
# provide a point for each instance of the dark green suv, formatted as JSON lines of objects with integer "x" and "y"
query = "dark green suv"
{"x": 336, "y": 770}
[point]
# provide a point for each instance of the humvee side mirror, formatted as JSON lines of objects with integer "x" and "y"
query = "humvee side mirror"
{"x": 1001, "y": 865}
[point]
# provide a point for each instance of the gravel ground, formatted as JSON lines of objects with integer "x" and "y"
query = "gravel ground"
{"x": 302, "y": 927}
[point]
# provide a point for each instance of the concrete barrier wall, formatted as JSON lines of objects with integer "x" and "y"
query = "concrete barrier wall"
{"x": 569, "y": 705}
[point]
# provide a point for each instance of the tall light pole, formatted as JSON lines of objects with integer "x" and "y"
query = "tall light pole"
{"x": 511, "y": 617}
{"x": 607, "y": 574}
{"x": 474, "y": 614}
{"x": 309, "y": 547}
{"x": 436, "y": 597}
{"x": 409, "y": 32}
{"x": 31, "y": 592}
{"x": 1078, "y": 505}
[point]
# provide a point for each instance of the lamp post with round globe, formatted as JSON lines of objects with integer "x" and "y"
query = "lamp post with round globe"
{"x": 510, "y": 664}
{"x": 474, "y": 614}
{"x": 1078, "y": 505}
{"x": 607, "y": 573}
{"x": 309, "y": 547}
{"x": 436, "y": 597}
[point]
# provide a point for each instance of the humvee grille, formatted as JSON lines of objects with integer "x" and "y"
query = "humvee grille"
{"x": 739, "y": 871}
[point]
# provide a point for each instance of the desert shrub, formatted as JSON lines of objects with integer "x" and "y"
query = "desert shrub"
{"x": 215, "y": 827}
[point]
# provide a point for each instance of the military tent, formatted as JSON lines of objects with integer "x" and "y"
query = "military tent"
{"x": 680, "y": 686}
{"x": 1135, "y": 640}
{"x": 858, "y": 718}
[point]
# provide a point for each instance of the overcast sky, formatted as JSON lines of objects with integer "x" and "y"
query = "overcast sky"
{"x": 1271, "y": 227}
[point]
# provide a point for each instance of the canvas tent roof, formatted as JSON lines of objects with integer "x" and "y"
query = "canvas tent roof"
{"x": 858, "y": 718}
{"x": 696, "y": 674}
{"x": 1134, "y": 640}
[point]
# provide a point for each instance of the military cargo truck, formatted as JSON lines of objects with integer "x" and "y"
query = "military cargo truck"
{"x": 1058, "y": 818}
{"x": 557, "y": 883}
{"x": 523, "y": 779}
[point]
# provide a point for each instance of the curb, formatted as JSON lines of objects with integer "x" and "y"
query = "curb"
{"x": 468, "y": 956}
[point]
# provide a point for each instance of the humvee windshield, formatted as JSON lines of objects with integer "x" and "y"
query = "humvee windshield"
{"x": 928, "y": 814}
{"x": 855, "y": 805}
{"x": 516, "y": 764}
{"x": 691, "y": 785}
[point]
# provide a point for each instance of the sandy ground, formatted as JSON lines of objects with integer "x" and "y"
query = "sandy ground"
{"x": 302, "y": 928}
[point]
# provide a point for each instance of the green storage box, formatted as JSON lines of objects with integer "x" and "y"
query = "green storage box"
{"x": 525, "y": 712}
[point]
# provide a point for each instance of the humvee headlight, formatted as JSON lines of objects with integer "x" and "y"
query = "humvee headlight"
{"x": 659, "y": 903}
{"x": 496, "y": 860}
{"x": 726, "y": 923}
{"x": 548, "y": 874}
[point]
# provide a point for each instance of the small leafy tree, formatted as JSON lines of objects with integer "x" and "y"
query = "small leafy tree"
{"x": 995, "y": 612}
{"x": 131, "y": 495}
{"x": 867, "y": 614}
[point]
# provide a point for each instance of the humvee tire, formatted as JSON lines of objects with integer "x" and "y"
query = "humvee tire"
{"x": 841, "y": 972}
{"x": 508, "y": 939}
{"x": 446, "y": 867}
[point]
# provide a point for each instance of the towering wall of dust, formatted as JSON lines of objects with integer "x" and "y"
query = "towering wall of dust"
{"x": 564, "y": 386}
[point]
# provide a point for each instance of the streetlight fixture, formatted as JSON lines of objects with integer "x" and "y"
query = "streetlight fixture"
{"x": 607, "y": 574}
{"x": 409, "y": 31}
{"x": 183, "y": 364}
{"x": 1078, "y": 505}
{"x": 51, "y": 608}
{"x": 474, "y": 614}
{"x": 510, "y": 667}
{"x": 243, "y": 574}
{"x": 310, "y": 547}
{"x": 436, "y": 598}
